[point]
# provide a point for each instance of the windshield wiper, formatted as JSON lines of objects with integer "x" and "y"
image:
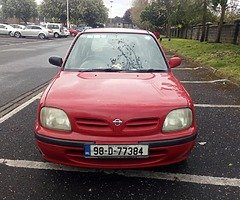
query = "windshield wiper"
{"x": 101, "y": 70}
{"x": 148, "y": 70}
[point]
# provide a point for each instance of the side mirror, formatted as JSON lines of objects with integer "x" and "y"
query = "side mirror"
{"x": 174, "y": 62}
{"x": 56, "y": 61}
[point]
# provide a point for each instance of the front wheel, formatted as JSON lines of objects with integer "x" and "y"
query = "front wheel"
{"x": 56, "y": 35}
{"x": 41, "y": 36}
{"x": 17, "y": 34}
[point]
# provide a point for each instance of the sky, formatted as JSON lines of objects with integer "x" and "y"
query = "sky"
{"x": 119, "y": 7}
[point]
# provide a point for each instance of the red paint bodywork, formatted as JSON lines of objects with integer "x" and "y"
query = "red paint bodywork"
{"x": 99, "y": 98}
{"x": 73, "y": 32}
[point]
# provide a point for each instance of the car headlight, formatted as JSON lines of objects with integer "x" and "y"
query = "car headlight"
{"x": 178, "y": 120}
{"x": 56, "y": 119}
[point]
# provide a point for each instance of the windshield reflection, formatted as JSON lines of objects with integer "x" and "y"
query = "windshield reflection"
{"x": 122, "y": 52}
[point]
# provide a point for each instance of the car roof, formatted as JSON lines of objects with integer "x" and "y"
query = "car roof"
{"x": 17, "y": 24}
{"x": 116, "y": 30}
{"x": 54, "y": 23}
{"x": 7, "y": 25}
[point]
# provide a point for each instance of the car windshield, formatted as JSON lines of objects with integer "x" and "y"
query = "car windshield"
{"x": 116, "y": 52}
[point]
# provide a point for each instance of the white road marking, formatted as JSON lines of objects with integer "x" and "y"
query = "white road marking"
{"x": 207, "y": 180}
{"x": 204, "y": 82}
{"x": 19, "y": 108}
{"x": 216, "y": 106}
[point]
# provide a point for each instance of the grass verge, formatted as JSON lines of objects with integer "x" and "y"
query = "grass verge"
{"x": 225, "y": 58}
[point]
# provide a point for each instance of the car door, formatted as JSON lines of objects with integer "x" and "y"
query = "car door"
{"x": 36, "y": 30}
{"x": 26, "y": 31}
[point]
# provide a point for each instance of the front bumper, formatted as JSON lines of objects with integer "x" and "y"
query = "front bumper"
{"x": 69, "y": 152}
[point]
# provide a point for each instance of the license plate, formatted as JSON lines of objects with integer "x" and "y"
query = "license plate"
{"x": 116, "y": 151}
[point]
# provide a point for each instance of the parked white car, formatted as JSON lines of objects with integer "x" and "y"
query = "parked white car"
{"x": 6, "y": 29}
{"x": 34, "y": 31}
{"x": 57, "y": 29}
{"x": 17, "y": 27}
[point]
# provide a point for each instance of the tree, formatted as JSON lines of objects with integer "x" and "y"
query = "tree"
{"x": 183, "y": 10}
{"x": 138, "y": 7}
{"x": 1, "y": 14}
{"x": 204, "y": 20}
{"x": 81, "y": 11}
{"x": 93, "y": 12}
{"x": 53, "y": 10}
{"x": 223, "y": 7}
{"x": 233, "y": 13}
{"x": 22, "y": 9}
{"x": 127, "y": 17}
{"x": 75, "y": 16}
{"x": 155, "y": 14}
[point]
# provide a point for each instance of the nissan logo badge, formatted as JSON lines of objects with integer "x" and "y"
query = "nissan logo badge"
{"x": 117, "y": 122}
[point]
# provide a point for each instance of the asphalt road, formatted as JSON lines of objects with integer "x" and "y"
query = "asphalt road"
{"x": 24, "y": 64}
{"x": 214, "y": 160}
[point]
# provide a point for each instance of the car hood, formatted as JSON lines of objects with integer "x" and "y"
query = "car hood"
{"x": 115, "y": 91}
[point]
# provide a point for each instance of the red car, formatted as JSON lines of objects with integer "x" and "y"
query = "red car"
{"x": 115, "y": 103}
{"x": 73, "y": 32}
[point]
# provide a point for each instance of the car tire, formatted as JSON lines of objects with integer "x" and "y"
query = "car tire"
{"x": 17, "y": 34}
{"x": 56, "y": 35}
{"x": 11, "y": 34}
{"x": 41, "y": 36}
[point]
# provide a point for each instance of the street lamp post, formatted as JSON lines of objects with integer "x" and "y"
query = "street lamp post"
{"x": 68, "y": 15}
{"x": 110, "y": 13}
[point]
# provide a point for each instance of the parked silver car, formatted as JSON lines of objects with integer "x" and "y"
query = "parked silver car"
{"x": 6, "y": 29}
{"x": 17, "y": 27}
{"x": 34, "y": 31}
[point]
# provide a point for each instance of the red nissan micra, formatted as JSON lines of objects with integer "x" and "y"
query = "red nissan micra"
{"x": 115, "y": 103}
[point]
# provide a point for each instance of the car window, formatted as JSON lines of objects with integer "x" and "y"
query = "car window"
{"x": 36, "y": 27}
{"x": 119, "y": 51}
{"x": 53, "y": 26}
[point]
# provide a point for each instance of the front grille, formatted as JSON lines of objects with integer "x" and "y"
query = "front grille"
{"x": 144, "y": 126}
{"x": 91, "y": 125}
{"x": 133, "y": 127}
{"x": 141, "y": 124}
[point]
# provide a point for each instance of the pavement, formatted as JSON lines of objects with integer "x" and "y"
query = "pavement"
{"x": 211, "y": 172}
